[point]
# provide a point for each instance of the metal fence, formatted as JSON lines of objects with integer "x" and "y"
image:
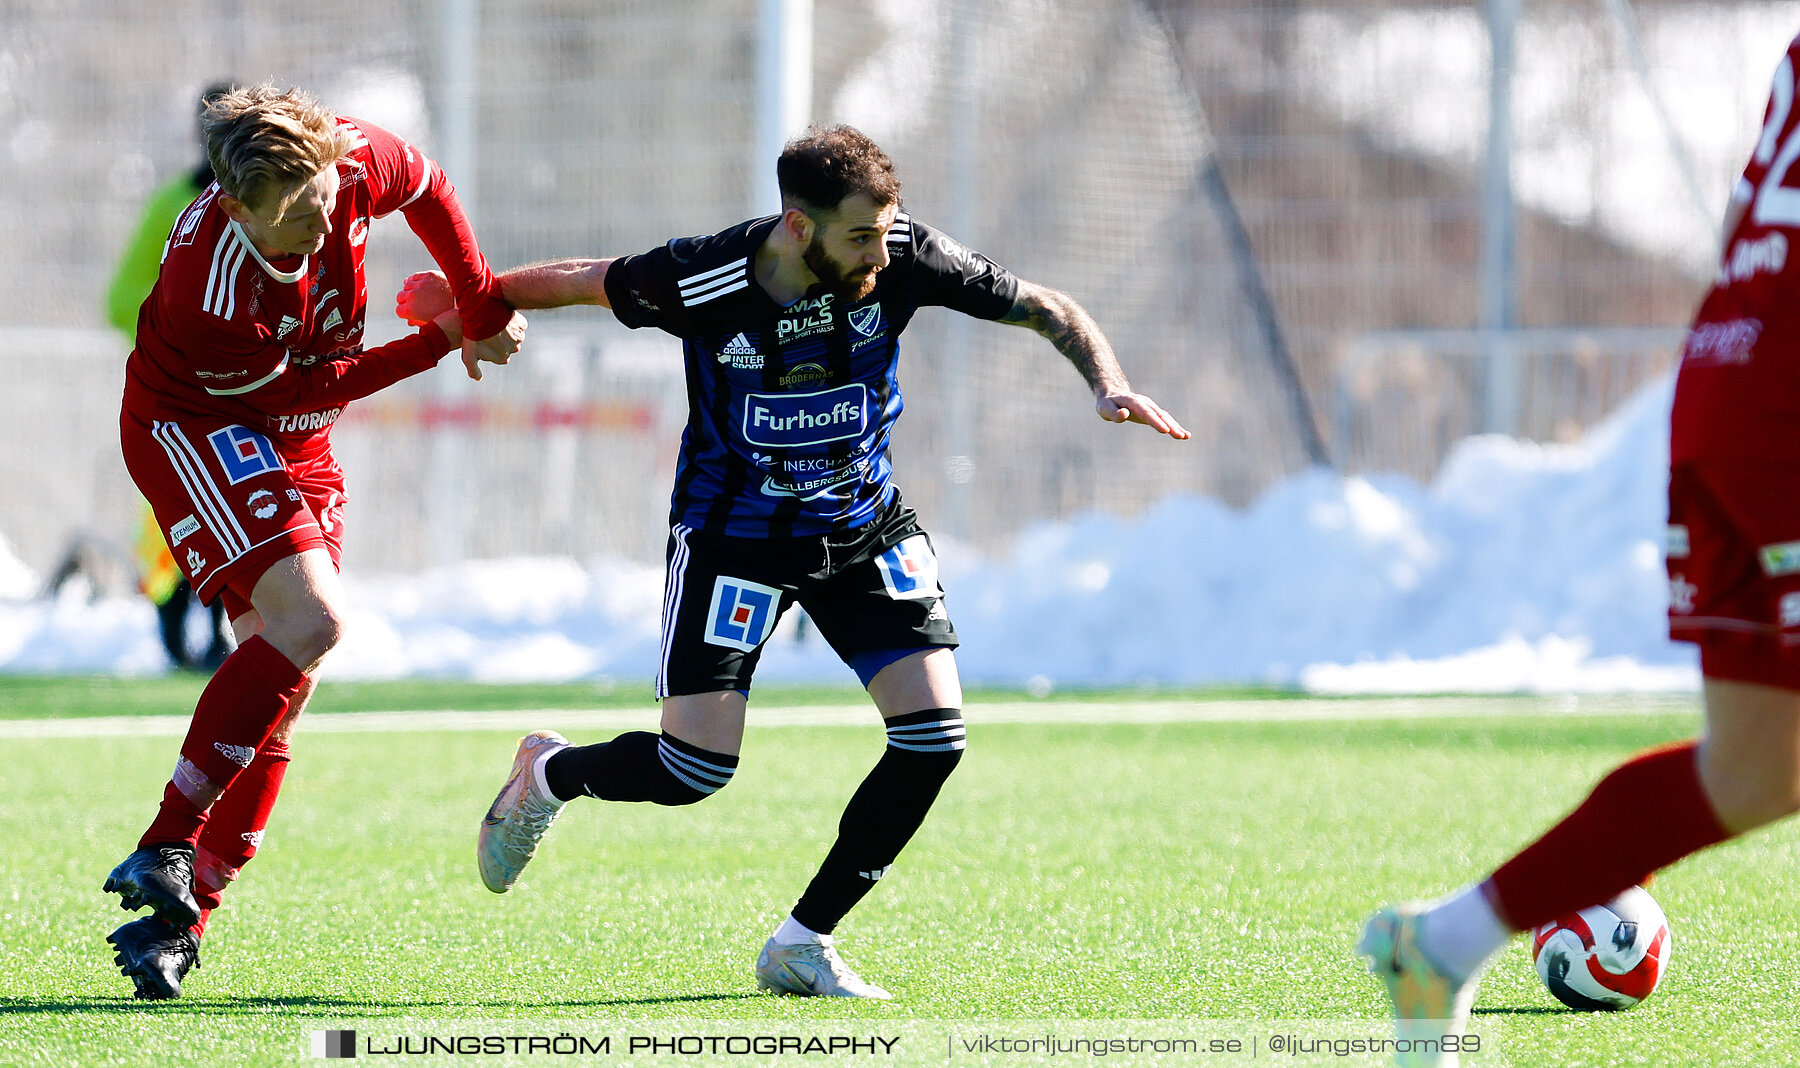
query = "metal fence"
{"x": 1250, "y": 197}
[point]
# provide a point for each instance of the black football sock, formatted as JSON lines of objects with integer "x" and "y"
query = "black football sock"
{"x": 923, "y": 749}
{"x": 639, "y": 766}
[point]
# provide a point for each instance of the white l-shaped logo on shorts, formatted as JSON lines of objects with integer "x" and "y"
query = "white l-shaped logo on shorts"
{"x": 909, "y": 570}
{"x": 742, "y": 615}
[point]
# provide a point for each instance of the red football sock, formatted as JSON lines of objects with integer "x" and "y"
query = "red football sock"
{"x": 235, "y": 827}
{"x": 1648, "y": 813}
{"x": 247, "y": 696}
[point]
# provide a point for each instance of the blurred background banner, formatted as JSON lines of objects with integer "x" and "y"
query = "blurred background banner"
{"x": 1343, "y": 233}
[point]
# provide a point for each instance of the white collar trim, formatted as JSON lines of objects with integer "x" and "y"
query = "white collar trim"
{"x": 280, "y": 276}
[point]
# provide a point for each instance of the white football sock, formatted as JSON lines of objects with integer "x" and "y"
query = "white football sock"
{"x": 1461, "y": 932}
{"x": 543, "y": 784}
{"x": 794, "y": 933}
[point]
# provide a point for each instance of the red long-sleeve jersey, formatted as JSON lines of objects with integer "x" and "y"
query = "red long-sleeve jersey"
{"x": 277, "y": 345}
{"x": 1738, "y": 393}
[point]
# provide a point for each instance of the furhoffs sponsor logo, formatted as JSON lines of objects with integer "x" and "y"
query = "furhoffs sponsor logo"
{"x": 789, "y": 419}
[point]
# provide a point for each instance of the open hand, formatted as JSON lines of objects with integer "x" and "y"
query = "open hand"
{"x": 1137, "y": 408}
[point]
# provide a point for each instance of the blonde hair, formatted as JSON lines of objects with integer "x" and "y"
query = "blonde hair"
{"x": 263, "y": 140}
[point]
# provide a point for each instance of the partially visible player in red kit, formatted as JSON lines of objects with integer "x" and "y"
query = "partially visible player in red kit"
{"x": 1734, "y": 589}
{"x": 247, "y": 351}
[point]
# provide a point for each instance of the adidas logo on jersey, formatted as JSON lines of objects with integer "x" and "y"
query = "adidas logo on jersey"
{"x": 741, "y": 354}
{"x": 288, "y": 323}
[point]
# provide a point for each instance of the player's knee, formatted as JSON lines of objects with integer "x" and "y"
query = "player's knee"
{"x": 691, "y": 774}
{"x": 932, "y": 741}
{"x": 1743, "y": 804}
{"x": 324, "y": 629}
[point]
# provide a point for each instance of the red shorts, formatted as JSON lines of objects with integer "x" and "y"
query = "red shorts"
{"x": 1734, "y": 568}
{"x": 228, "y": 504}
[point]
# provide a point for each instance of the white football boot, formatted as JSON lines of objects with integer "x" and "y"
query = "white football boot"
{"x": 811, "y": 969}
{"x": 1428, "y": 1003}
{"x": 519, "y": 816}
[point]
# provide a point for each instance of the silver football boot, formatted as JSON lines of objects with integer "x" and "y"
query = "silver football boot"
{"x": 811, "y": 969}
{"x": 519, "y": 816}
{"x": 1429, "y": 1004}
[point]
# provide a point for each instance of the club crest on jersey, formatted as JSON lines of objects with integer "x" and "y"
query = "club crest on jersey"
{"x": 909, "y": 570}
{"x": 243, "y": 453}
{"x": 359, "y": 231}
{"x": 866, "y": 321}
{"x": 261, "y": 504}
{"x": 740, "y": 352}
{"x": 742, "y": 615}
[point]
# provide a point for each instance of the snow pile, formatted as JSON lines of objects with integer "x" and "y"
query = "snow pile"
{"x": 1548, "y": 558}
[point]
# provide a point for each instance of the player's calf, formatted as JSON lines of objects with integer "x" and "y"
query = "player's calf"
{"x": 234, "y": 830}
{"x": 640, "y": 766}
{"x": 884, "y": 813}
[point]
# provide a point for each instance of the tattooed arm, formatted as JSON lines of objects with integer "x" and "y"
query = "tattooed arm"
{"x": 1069, "y": 327}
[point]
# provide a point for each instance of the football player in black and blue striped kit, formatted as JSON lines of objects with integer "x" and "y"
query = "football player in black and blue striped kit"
{"x": 790, "y": 328}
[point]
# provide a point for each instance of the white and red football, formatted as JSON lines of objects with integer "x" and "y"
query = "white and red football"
{"x": 1607, "y": 957}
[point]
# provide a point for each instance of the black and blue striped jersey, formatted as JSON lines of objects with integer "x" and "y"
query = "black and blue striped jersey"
{"x": 790, "y": 409}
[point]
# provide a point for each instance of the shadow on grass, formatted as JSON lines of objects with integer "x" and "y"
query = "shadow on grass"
{"x": 1533, "y": 1010}
{"x": 337, "y": 1008}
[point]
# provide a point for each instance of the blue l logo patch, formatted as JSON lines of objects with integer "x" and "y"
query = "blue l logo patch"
{"x": 909, "y": 570}
{"x": 243, "y": 453}
{"x": 743, "y": 613}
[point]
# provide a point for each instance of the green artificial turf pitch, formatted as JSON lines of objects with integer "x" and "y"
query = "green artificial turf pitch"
{"x": 1197, "y": 871}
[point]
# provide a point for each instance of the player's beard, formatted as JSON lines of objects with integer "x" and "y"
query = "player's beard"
{"x": 847, "y": 286}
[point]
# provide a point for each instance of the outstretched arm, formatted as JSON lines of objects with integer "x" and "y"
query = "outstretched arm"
{"x": 1069, "y": 327}
{"x": 557, "y": 284}
{"x": 425, "y": 295}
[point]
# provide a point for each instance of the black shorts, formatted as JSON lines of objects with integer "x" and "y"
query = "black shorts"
{"x": 869, "y": 591}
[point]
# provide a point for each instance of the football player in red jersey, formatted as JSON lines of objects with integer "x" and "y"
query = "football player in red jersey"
{"x": 248, "y": 349}
{"x": 1734, "y": 589}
